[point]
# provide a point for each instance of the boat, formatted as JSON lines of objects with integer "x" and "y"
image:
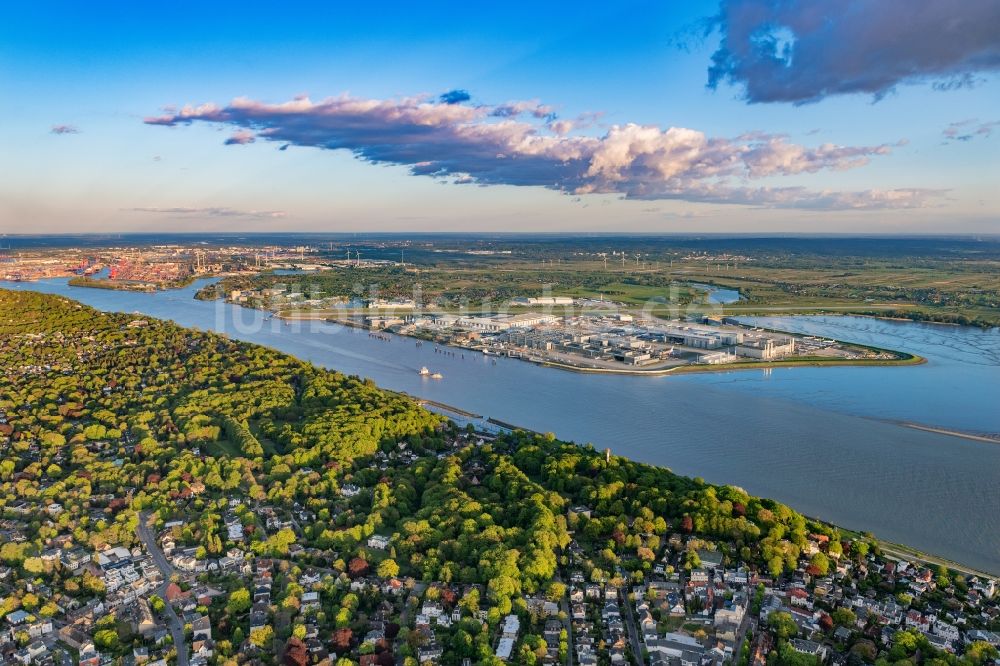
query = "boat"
{"x": 437, "y": 375}
{"x": 424, "y": 371}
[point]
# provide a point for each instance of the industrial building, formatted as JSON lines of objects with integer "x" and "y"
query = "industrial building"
{"x": 766, "y": 348}
{"x": 497, "y": 323}
{"x": 542, "y": 300}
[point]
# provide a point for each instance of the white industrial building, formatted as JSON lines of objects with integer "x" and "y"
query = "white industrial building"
{"x": 543, "y": 300}
{"x": 497, "y": 323}
{"x": 766, "y": 348}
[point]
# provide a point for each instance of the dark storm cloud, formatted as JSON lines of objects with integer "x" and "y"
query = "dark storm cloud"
{"x": 801, "y": 51}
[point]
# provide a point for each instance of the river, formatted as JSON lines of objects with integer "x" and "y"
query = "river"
{"x": 717, "y": 295}
{"x": 823, "y": 440}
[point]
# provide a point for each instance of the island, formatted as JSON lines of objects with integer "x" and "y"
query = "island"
{"x": 581, "y": 334}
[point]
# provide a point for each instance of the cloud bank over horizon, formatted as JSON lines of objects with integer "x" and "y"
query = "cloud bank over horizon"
{"x": 801, "y": 51}
{"x": 209, "y": 211}
{"x": 523, "y": 143}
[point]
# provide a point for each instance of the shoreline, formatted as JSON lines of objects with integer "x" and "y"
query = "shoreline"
{"x": 946, "y": 431}
{"x": 727, "y": 367}
{"x": 894, "y": 550}
{"x": 898, "y": 549}
{"x": 846, "y": 311}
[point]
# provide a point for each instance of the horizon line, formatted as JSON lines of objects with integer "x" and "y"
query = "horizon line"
{"x": 553, "y": 234}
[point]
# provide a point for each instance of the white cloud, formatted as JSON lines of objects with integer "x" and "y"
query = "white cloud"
{"x": 522, "y": 143}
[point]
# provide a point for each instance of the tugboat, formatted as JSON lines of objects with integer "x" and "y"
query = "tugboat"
{"x": 424, "y": 371}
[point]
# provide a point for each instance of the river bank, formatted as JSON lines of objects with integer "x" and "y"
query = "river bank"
{"x": 727, "y": 367}
{"x": 822, "y": 440}
{"x": 129, "y": 285}
{"x": 994, "y": 439}
{"x": 893, "y": 550}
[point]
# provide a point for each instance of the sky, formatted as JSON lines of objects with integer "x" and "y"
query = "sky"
{"x": 831, "y": 116}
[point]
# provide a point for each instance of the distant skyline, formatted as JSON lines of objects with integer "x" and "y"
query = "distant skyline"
{"x": 746, "y": 116}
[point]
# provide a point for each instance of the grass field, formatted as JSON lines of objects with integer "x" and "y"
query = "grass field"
{"x": 965, "y": 291}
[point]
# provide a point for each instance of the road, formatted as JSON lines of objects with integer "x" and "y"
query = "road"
{"x": 568, "y": 623}
{"x": 902, "y": 553}
{"x": 745, "y": 624}
{"x": 628, "y": 609}
{"x": 565, "y": 607}
{"x": 163, "y": 564}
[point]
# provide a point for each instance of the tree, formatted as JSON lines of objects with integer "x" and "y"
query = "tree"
{"x": 470, "y": 601}
{"x": 106, "y": 639}
{"x": 462, "y": 644}
{"x": 262, "y": 636}
{"x": 555, "y": 591}
{"x": 12, "y": 553}
{"x": 342, "y": 640}
{"x": 865, "y": 649}
{"x": 239, "y": 602}
{"x": 296, "y": 653}
{"x": 92, "y": 583}
{"x": 980, "y": 651}
{"x": 790, "y": 657}
{"x": 388, "y": 568}
{"x": 357, "y": 566}
{"x": 687, "y": 524}
{"x": 34, "y": 565}
{"x": 820, "y": 564}
{"x": 782, "y": 624}
{"x": 825, "y": 622}
{"x": 844, "y": 617}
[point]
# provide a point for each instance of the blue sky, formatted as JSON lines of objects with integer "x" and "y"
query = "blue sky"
{"x": 833, "y": 149}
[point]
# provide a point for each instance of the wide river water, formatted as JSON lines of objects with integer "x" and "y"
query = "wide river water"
{"x": 827, "y": 441}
